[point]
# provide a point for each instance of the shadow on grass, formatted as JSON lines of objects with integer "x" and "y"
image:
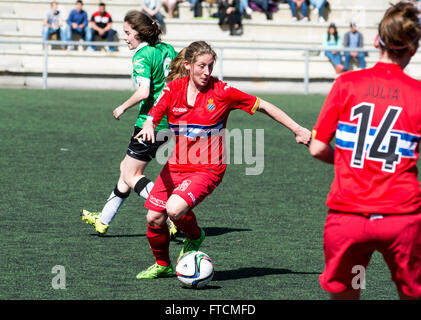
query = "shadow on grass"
{"x": 118, "y": 235}
{"x": 210, "y": 232}
{"x": 251, "y": 272}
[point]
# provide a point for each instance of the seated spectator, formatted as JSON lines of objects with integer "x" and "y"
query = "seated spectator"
{"x": 53, "y": 23}
{"x": 354, "y": 39}
{"x": 151, "y": 8}
{"x": 101, "y": 23}
{"x": 171, "y": 6}
{"x": 319, "y": 5}
{"x": 332, "y": 41}
{"x": 299, "y": 4}
{"x": 231, "y": 9}
{"x": 245, "y": 9}
{"x": 262, "y": 5}
{"x": 77, "y": 23}
{"x": 195, "y": 7}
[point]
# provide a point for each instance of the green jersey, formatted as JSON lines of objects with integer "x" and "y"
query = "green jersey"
{"x": 150, "y": 67}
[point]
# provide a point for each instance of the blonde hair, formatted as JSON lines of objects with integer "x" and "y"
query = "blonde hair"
{"x": 189, "y": 54}
{"x": 400, "y": 30}
{"x": 196, "y": 49}
{"x": 177, "y": 69}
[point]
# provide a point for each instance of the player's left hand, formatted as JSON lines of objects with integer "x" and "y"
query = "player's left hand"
{"x": 302, "y": 136}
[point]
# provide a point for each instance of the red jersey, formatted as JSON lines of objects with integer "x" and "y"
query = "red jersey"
{"x": 199, "y": 129}
{"x": 101, "y": 20}
{"x": 375, "y": 115}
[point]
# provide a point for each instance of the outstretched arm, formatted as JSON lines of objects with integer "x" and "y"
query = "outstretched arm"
{"x": 140, "y": 94}
{"x": 302, "y": 135}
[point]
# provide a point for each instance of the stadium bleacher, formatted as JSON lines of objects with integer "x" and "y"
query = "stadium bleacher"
{"x": 257, "y": 68}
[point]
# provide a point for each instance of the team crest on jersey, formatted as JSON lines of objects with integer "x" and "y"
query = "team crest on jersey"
{"x": 211, "y": 105}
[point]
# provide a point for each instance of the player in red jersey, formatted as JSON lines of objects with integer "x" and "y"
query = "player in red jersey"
{"x": 375, "y": 198}
{"x": 197, "y": 107}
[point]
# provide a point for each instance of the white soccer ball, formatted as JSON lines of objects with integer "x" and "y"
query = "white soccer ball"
{"x": 194, "y": 269}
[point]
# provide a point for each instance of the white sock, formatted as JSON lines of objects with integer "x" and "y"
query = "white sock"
{"x": 144, "y": 193}
{"x": 111, "y": 208}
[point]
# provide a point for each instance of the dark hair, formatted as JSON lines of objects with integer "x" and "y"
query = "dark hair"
{"x": 148, "y": 29}
{"x": 335, "y": 33}
{"x": 399, "y": 30}
{"x": 79, "y": 1}
{"x": 101, "y": 4}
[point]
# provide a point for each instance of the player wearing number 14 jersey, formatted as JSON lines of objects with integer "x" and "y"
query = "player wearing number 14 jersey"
{"x": 375, "y": 198}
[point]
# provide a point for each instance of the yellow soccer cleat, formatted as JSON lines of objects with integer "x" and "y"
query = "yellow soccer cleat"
{"x": 92, "y": 218}
{"x": 173, "y": 229}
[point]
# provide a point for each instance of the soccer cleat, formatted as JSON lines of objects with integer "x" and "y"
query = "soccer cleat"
{"x": 100, "y": 227}
{"x": 89, "y": 217}
{"x": 173, "y": 229}
{"x": 192, "y": 244}
{"x": 92, "y": 218}
{"x": 156, "y": 271}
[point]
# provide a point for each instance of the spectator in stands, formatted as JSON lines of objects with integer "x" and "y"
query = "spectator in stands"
{"x": 319, "y": 6}
{"x": 245, "y": 9}
{"x": 151, "y": 8}
{"x": 53, "y": 23}
{"x": 263, "y": 5}
{"x": 231, "y": 9}
{"x": 101, "y": 25}
{"x": 77, "y": 22}
{"x": 297, "y": 4}
{"x": 195, "y": 7}
{"x": 332, "y": 42}
{"x": 171, "y": 6}
{"x": 354, "y": 39}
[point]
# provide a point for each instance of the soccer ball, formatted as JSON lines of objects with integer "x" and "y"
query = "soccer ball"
{"x": 194, "y": 269}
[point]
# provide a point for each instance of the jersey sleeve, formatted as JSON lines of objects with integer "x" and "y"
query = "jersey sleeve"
{"x": 327, "y": 122}
{"x": 142, "y": 71}
{"x": 161, "y": 106}
{"x": 237, "y": 99}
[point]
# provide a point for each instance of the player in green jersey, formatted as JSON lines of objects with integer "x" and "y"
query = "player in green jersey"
{"x": 151, "y": 60}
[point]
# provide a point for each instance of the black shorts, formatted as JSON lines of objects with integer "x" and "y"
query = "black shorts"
{"x": 143, "y": 150}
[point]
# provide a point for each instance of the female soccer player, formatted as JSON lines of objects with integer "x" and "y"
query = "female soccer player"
{"x": 375, "y": 199}
{"x": 151, "y": 60}
{"x": 197, "y": 107}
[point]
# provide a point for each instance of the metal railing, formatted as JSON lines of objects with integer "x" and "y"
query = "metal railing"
{"x": 219, "y": 49}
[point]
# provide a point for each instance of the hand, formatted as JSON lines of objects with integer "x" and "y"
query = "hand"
{"x": 302, "y": 135}
{"x": 81, "y": 26}
{"x": 74, "y": 25}
{"x": 118, "y": 112}
{"x": 101, "y": 32}
{"x": 354, "y": 54}
{"x": 147, "y": 133}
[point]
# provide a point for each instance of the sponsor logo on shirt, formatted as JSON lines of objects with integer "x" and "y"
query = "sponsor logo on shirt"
{"x": 179, "y": 109}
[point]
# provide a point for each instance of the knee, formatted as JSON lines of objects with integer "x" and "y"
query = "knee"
{"x": 173, "y": 213}
{"x": 155, "y": 219}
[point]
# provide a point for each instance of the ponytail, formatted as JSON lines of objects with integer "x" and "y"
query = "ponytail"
{"x": 148, "y": 29}
{"x": 177, "y": 69}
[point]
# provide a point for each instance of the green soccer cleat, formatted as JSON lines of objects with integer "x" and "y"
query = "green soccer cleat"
{"x": 173, "y": 229}
{"x": 92, "y": 218}
{"x": 156, "y": 271}
{"x": 192, "y": 244}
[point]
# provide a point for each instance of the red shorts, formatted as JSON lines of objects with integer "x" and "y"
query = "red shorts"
{"x": 193, "y": 187}
{"x": 351, "y": 239}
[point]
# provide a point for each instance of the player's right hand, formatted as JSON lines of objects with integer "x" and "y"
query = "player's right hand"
{"x": 118, "y": 112}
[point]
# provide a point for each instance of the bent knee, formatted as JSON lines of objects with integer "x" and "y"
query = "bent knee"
{"x": 155, "y": 219}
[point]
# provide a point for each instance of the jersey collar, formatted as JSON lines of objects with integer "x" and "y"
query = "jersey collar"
{"x": 140, "y": 46}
